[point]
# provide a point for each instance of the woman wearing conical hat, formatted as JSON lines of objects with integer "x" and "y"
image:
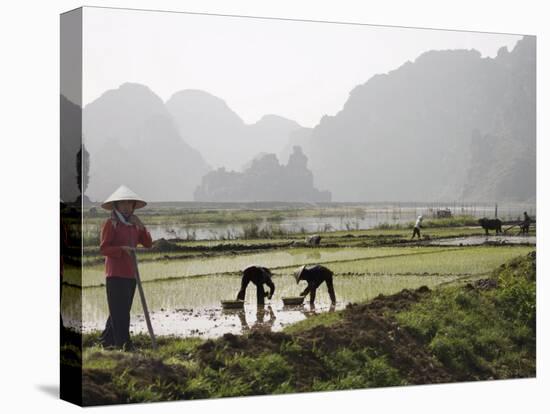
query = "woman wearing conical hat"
{"x": 120, "y": 235}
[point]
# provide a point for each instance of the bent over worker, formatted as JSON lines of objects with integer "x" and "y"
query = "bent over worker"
{"x": 120, "y": 235}
{"x": 259, "y": 276}
{"x": 315, "y": 276}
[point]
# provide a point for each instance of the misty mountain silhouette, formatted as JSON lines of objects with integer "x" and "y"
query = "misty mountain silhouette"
{"x": 132, "y": 140}
{"x": 208, "y": 124}
{"x": 450, "y": 125}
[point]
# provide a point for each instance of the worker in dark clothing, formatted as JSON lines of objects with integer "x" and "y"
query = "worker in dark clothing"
{"x": 524, "y": 229}
{"x": 315, "y": 276}
{"x": 259, "y": 276}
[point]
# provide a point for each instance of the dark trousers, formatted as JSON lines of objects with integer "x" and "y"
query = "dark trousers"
{"x": 312, "y": 290}
{"x": 260, "y": 292}
{"x": 416, "y": 231}
{"x": 120, "y": 294}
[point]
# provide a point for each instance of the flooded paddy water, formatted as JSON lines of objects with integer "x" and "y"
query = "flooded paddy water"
{"x": 184, "y": 295}
{"x": 191, "y": 306}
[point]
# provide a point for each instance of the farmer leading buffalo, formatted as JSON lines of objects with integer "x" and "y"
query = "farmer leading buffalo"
{"x": 315, "y": 276}
{"x": 120, "y": 235}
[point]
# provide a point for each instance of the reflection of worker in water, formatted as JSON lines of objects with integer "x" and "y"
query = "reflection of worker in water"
{"x": 314, "y": 276}
{"x": 524, "y": 228}
{"x": 260, "y": 319}
{"x": 417, "y": 225}
{"x": 261, "y": 313}
{"x": 259, "y": 276}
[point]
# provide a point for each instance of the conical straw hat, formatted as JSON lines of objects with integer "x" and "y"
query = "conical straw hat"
{"x": 123, "y": 193}
{"x": 298, "y": 273}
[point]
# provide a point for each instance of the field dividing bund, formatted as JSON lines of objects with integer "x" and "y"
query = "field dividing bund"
{"x": 235, "y": 263}
{"x": 382, "y": 260}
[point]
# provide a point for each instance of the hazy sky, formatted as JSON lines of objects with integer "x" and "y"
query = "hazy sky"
{"x": 299, "y": 70}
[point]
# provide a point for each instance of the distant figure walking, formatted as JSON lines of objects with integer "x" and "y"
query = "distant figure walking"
{"x": 315, "y": 276}
{"x": 417, "y": 225}
{"x": 259, "y": 276}
{"x": 525, "y": 224}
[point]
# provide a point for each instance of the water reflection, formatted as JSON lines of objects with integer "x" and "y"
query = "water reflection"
{"x": 363, "y": 217}
{"x": 265, "y": 318}
{"x": 192, "y": 307}
{"x": 314, "y": 310}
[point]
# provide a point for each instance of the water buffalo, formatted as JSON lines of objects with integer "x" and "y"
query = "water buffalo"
{"x": 314, "y": 240}
{"x": 491, "y": 224}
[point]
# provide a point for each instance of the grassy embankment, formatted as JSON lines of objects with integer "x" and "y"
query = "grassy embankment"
{"x": 482, "y": 330}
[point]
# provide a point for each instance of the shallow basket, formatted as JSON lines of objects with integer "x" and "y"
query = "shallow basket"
{"x": 293, "y": 300}
{"x": 232, "y": 304}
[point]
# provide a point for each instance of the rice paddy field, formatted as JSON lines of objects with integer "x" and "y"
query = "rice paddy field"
{"x": 186, "y": 278}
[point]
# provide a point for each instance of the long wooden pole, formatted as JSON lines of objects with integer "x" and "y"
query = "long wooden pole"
{"x": 511, "y": 227}
{"x": 144, "y": 304}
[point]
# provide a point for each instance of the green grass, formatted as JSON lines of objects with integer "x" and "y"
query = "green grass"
{"x": 482, "y": 332}
{"x": 322, "y": 319}
{"x": 470, "y": 260}
{"x": 353, "y": 369}
{"x": 178, "y": 375}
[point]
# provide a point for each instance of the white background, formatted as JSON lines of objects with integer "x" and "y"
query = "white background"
{"x": 29, "y": 151}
